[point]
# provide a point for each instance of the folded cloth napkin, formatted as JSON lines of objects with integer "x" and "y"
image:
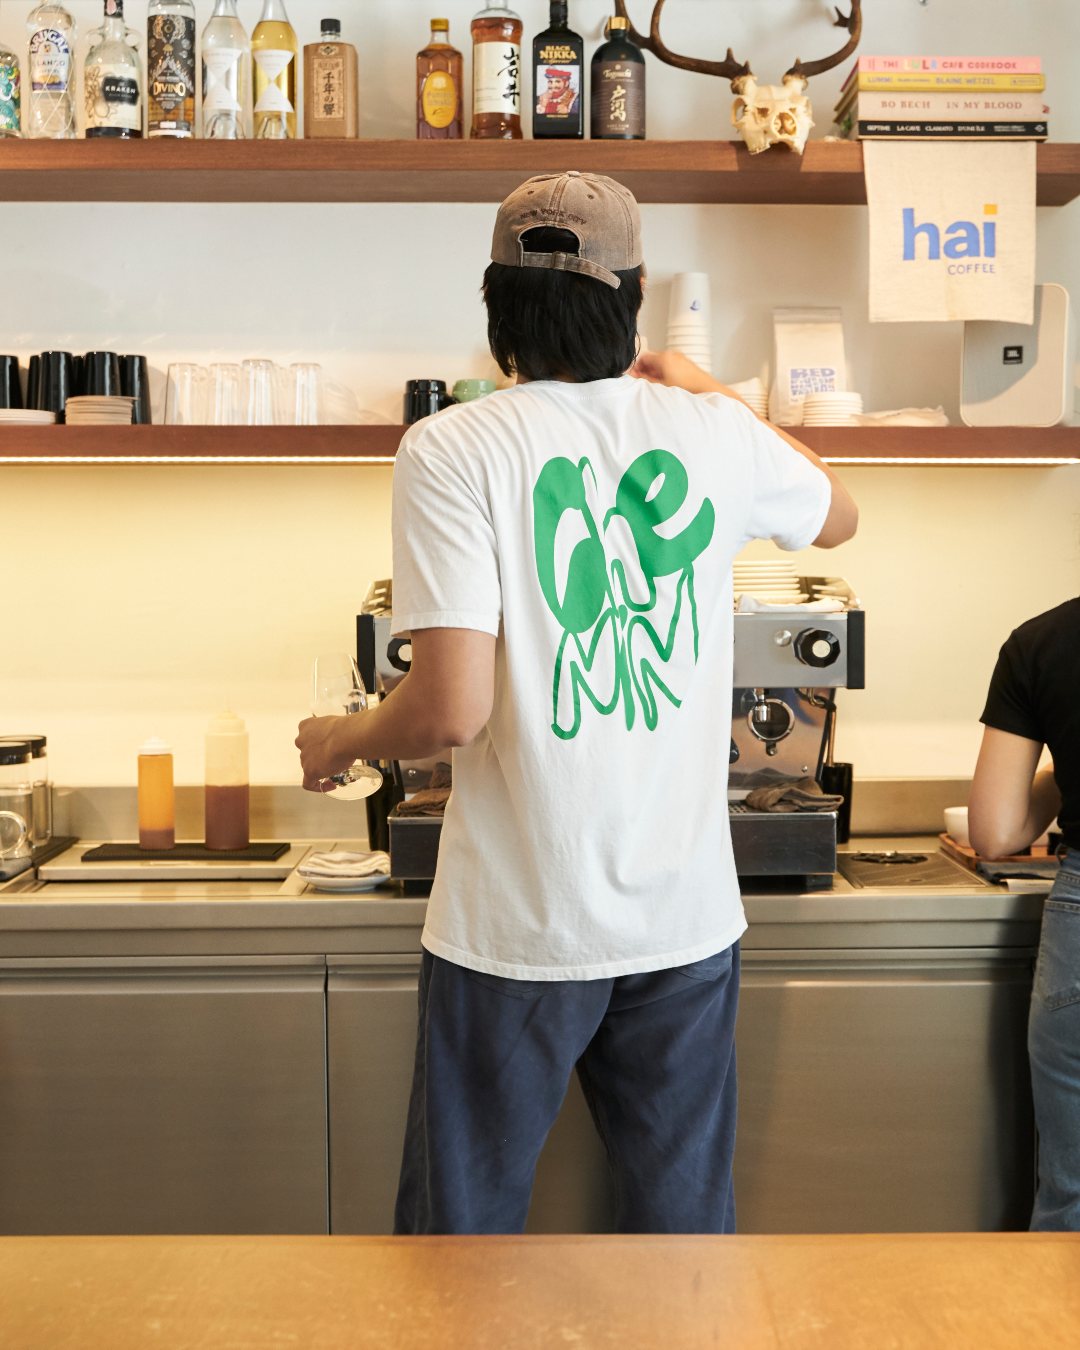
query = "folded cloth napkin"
{"x": 802, "y": 794}
{"x": 345, "y": 865}
{"x": 426, "y": 802}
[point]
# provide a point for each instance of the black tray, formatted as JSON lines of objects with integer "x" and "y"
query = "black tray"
{"x": 262, "y": 852}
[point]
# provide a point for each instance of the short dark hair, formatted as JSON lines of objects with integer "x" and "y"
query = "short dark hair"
{"x": 548, "y": 324}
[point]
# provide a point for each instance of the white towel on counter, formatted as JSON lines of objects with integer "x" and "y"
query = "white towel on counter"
{"x": 342, "y": 864}
{"x": 952, "y": 230}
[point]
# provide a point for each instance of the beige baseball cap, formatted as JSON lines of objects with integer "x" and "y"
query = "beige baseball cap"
{"x": 600, "y": 212}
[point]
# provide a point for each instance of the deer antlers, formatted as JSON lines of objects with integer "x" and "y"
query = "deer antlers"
{"x": 729, "y": 68}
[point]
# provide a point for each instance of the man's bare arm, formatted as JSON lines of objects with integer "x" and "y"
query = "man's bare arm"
{"x": 1010, "y": 804}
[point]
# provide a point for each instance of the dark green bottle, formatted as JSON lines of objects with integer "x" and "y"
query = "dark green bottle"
{"x": 618, "y": 86}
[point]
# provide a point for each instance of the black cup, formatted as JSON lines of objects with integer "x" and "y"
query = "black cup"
{"x": 100, "y": 373}
{"x": 424, "y": 397}
{"x": 57, "y": 381}
{"x": 33, "y": 382}
{"x": 838, "y": 778}
{"x": 135, "y": 383}
{"x": 10, "y": 389}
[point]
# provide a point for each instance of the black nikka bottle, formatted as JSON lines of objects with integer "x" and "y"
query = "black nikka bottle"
{"x": 558, "y": 79}
{"x": 618, "y": 86}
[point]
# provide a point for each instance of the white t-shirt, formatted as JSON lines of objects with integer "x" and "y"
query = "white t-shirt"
{"x": 591, "y": 529}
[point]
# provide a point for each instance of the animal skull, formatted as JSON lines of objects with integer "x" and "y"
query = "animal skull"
{"x": 772, "y": 114}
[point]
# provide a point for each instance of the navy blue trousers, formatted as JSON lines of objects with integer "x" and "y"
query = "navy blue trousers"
{"x": 655, "y": 1054}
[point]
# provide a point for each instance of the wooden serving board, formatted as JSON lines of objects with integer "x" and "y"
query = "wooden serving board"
{"x": 967, "y": 857}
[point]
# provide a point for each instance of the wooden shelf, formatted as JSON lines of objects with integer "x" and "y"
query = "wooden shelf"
{"x": 378, "y": 444}
{"x": 827, "y": 174}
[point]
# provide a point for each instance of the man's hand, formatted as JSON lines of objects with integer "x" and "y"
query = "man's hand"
{"x": 675, "y": 369}
{"x": 322, "y": 752}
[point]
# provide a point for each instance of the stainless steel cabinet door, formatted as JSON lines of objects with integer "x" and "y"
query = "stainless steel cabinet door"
{"x": 163, "y": 1095}
{"x": 371, "y": 1025}
{"x": 883, "y": 1092}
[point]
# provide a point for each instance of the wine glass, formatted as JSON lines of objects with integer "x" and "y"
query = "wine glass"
{"x": 337, "y": 689}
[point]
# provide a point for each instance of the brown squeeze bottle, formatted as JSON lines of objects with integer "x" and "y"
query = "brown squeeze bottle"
{"x": 227, "y": 792}
{"x": 497, "y": 74}
{"x": 438, "y": 87}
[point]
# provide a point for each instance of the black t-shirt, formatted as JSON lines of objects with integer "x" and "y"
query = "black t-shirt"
{"x": 1035, "y": 693}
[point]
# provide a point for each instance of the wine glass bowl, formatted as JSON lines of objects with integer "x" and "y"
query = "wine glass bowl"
{"x": 337, "y": 689}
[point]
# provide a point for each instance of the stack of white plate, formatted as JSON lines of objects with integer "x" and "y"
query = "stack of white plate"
{"x": 831, "y": 410}
{"x": 754, "y": 394}
{"x": 99, "y": 410}
{"x": 26, "y": 417}
{"x": 773, "y": 581}
{"x": 689, "y": 322}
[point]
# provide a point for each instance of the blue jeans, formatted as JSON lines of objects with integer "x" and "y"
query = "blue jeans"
{"x": 655, "y": 1054}
{"x": 1054, "y": 1050}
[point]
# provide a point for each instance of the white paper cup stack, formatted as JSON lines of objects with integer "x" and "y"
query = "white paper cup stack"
{"x": 831, "y": 410}
{"x": 753, "y": 393}
{"x": 689, "y": 324}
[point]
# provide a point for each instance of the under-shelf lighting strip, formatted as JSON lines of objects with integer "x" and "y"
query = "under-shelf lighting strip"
{"x": 353, "y": 460}
{"x": 954, "y": 461}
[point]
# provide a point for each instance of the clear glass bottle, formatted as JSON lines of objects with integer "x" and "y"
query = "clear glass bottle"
{"x": 226, "y": 75}
{"x": 438, "y": 87}
{"x": 52, "y": 72}
{"x": 558, "y": 78}
{"x": 274, "y": 49}
{"x": 170, "y": 69}
{"x": 10, "y": 93}
{"x": 618, "y": 86}
{"x": 496, "y": 35}
{"x": 112, "y": 80}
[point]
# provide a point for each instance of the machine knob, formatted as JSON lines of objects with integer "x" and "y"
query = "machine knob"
{"x": 733, "y": 753}
{"x": 816, "y": 647}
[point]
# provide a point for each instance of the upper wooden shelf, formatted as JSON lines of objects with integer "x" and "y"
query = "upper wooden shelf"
{"x": 829, "y": 173}
{"x": 378, "y": 445}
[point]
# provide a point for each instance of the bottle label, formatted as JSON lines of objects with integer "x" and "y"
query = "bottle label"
{"x": 439, "y": 99}
{"x": 328, "y": 94}
{"x": 558, "y": 86}
{"x": 221, "y": 68}
{"x": 112, "y": 98}
{"x": 10, "y": 94}
{"x": 171, "y": 74}
{"x": 50, "y": 61}
{"x": 273, "y": 63}
{"x": 497, "y": 78}
{"x": 618, "y": 99}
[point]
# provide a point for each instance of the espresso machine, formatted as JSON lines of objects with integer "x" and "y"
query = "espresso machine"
{"x": 789, "y": 662}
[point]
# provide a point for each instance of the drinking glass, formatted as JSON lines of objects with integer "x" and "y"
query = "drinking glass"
{"x": 225, "y": 395}
{"x": 258, "y": 394}
{"x": 305, "y": 394}
{"x": 185, "y": 396}
{"x": 337, "y": 689}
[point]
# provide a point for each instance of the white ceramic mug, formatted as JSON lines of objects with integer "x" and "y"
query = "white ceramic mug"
{"x": 956, "y": 824}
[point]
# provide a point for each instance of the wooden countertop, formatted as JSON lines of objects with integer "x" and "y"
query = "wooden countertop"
{"x": 503, "y": 1293}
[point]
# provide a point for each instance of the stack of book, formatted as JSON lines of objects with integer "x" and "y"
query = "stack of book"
{"x": 943, "y": 98}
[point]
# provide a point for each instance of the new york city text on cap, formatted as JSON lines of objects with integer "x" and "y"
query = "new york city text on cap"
{"x": 599, "y": 212}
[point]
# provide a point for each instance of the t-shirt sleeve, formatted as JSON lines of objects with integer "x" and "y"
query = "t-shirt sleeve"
{"x": 791, "y": 496}
{"x": 446, "y": 561}
{"x": 1010, "y": 702}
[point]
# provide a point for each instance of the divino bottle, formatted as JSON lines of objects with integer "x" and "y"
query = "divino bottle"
{"x": 170, "y": 69}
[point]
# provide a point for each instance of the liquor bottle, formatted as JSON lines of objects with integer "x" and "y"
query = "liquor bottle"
{"x": 226, "y": 75}
{"x": 438, "y": 87}
{"x": 112, "y": 83}
{"x": 331, "y": 102}
{"x": 274, "y": 49}
{"x": 52, "y": 72}
{"x": 558, "y": 56}
{"x": 10, "y": 94}
{"x": 618, "y": 86}
{"x": 496, "y": 35}
{"x": 170, "y": 69}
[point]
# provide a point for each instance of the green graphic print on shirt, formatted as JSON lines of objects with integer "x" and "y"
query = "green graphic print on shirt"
{"x": 598, "y": 611}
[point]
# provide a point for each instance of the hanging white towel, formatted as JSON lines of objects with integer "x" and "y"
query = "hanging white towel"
{"x": 952, "y": 230}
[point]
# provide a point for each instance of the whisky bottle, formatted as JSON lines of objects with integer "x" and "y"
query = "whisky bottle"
{"x": 226, "y": 75}
{"x": 438, "y": 87}
{"x": 274, "y": 49}
{"x": 496, "y": 35}
{"x": 618, "y": 86}
{"x": 331, "y": 103}
{"x": 52, "y": 72}
{"x": 112, "y": 85}
{"x": 558, "y": 56}
{"x": 170, "y": 69}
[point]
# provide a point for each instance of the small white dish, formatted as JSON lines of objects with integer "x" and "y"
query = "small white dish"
{"x": 347, "y": 883}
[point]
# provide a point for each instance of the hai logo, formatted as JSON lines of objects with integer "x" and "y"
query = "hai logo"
{"x": 963, "y": 239}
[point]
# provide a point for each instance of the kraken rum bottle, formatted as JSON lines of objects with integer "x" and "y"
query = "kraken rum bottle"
{"x": 438, "y": 87}
{"x": 557, "y": 85}
{"x": 496, "y": 35}
{"x": 112, "y": 86}
{"x": 274, "y": 50}
{"x": 170, "y": 69}
{"x": 618, "y": 86}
